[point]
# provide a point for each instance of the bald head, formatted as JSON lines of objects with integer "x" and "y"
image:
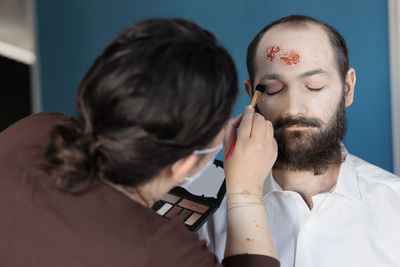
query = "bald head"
{"x": 299, "y": 23}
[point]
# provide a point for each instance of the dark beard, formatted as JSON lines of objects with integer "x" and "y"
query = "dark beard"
{"x": 305, "y": 151}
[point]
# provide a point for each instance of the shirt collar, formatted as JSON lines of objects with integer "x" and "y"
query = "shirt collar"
{"x": 346, "y": 184}
{"x": 271, "y": 186}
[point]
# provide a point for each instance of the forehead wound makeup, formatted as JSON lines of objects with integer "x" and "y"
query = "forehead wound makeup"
{"x": 289, "y": 57}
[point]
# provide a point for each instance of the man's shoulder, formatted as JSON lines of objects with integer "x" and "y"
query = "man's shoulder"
{"x": 370, "y": 173}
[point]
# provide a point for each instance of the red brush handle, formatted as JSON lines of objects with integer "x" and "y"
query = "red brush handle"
{"x": 231, "y": 149}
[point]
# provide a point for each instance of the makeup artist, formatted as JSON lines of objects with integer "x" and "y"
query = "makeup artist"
{"x": 79, "y": 192}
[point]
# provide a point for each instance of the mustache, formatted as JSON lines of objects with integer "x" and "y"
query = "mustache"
{"x": 298, "y": 121}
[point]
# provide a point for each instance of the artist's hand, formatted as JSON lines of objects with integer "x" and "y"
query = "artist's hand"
{"x": 254, "y": 154}
{"x": 246, "y": 170}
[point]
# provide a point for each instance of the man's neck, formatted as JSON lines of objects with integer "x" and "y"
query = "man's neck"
{"x": 306, "y": 183}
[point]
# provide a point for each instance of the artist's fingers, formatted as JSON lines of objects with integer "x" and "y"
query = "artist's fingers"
{"x": 269, "y": 131}
{"x": 244, "y": 130}
{"x": 236, "y": 121}
{"x": 233, "y": 124}
{"x": 230, "y": 135}
{"x": 259, "y": 128}
{"x": 269, "y": 137}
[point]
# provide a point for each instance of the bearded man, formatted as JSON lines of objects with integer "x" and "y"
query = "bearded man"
{"x": 326, "y": 207}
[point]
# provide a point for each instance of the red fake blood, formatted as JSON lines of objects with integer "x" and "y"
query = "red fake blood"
{"x": 271, "y": 52}
{"x": 290, "y": 57}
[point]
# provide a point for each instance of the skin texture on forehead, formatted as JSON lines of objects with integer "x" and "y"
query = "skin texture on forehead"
{"x": 289, "y": 57}
{"x": 308, "y": 45}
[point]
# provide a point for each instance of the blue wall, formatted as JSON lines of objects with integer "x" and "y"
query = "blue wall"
{"x": 72, "y": 33}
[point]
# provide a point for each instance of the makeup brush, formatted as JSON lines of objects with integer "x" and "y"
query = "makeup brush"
{"x": 260, "y": 89}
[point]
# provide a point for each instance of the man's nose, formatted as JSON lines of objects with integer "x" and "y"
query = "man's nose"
{"x": 295, "y": 103}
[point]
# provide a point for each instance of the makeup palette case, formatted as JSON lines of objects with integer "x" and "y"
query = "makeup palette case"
{"x": 186, "y": 203}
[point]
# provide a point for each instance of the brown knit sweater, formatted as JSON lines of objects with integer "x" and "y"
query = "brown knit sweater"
{"x": 41, "y": 226}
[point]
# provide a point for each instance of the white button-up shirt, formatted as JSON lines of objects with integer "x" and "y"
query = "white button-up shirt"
{"x": 357, "y": 223}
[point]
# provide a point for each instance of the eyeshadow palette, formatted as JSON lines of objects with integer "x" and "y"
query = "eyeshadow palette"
{"x": 192, "y": 209}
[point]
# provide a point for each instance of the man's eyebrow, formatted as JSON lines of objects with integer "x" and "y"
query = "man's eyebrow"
{"x": 267, "y": 77}
{"x": 313, "y": 72}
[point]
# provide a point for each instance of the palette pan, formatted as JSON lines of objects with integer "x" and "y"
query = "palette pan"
{"x": 192, "y": 209}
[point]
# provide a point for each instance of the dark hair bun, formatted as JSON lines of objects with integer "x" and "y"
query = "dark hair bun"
{"x": 160, "y": 90}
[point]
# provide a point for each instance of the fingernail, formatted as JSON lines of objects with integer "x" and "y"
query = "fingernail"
{"x": 250, "y": 107}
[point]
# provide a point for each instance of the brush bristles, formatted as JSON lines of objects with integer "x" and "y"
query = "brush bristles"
{"x": 261, "y": 88}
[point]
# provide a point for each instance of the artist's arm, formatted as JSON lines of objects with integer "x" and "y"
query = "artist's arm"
{"x": 246, "y": 170}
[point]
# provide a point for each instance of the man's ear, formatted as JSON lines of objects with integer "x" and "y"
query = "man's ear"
{"x": 180, "y": 169}
{"x": 248, "y": 88}
{"x": 350, "y": 83}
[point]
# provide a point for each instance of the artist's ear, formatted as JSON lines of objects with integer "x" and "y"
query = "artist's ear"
{"x": 180, "y": 169}
{"x": 247, "y": 87}
{"x": 350, "y": 83}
